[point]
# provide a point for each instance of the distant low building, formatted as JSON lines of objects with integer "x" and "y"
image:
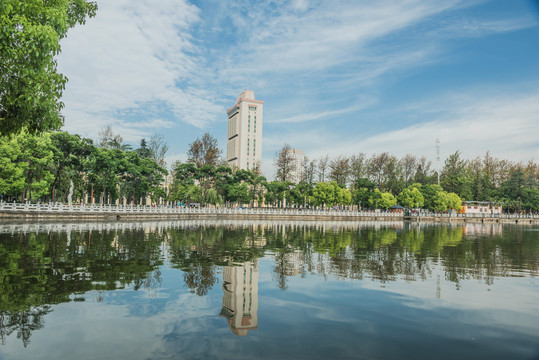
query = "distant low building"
{"x": 481, "y": 207}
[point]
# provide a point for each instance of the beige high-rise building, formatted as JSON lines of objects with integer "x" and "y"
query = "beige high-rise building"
{"x": 244, "y": 138}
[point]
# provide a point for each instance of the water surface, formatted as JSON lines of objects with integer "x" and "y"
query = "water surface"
{"x": 198, "y": 290}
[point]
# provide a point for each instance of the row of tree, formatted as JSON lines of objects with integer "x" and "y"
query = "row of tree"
{"x": 481, "y": 179}
{"x": 41, "y": 167}
{"x": 206, "y": 179}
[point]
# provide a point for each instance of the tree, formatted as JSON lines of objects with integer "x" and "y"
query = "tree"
{"x": 408, "y": 166}
{"x": 358, "y": 166}
{"x": 284, "y": 164}
{"x": 37, "y": 153}
{"x": 383, "y": 170}
{"x": 454, "y": 201}
{"x": 340, "y": 170}
{"x": 70, "y": 159}
{"x": 440, "y": 201}
{"x": 158, "y": 148}
{"x": 322, "y": 168}
{"x": 310, "y": 171}
{"x": 453, "y": 176}
{"x": 411, "y": 197}
{"x": 423, "y": 174}
{"x": 144, "y": 151}
{"x": 107, "y": 139}
{"x": 363, "y": 191}
{"x": 30, "y": 86}
{"x": 383, "y": 200}
{"x": 11, "y": 169}
{"x": 204, "y": 151}
{"x": 430, "y": 193}
{"x": 323, "y": 194}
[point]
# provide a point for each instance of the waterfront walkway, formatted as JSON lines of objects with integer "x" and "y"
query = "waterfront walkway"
{"x": 60, "y": 211}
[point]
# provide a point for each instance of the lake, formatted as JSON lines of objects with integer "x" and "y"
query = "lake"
{"x": 272, "y": 290}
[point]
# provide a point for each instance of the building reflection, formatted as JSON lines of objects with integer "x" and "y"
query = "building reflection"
{"x": 482, "y": 229}
{"x": 240, "y": 297}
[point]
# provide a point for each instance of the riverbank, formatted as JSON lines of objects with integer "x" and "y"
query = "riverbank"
{"x": 75, "y": 213}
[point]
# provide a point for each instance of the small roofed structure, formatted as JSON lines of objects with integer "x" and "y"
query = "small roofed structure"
{"x": 397, "y": 209}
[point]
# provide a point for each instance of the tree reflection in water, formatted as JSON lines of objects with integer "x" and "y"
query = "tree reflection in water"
{"x": 41, "y": 269}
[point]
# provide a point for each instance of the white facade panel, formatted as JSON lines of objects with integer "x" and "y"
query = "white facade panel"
{"x": 245, "y": 121}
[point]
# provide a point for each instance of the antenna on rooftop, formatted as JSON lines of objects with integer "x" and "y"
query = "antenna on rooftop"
{"x": 438, "y": 158}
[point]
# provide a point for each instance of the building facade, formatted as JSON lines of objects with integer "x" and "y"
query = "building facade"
{"x": 297, "y": 158}
{"x": 244, "y": 136}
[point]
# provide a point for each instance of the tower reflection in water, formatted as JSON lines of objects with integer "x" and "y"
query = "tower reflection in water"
{"x": 240, "y": 297}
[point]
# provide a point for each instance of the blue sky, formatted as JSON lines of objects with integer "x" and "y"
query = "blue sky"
{"x": 337, "y": 77}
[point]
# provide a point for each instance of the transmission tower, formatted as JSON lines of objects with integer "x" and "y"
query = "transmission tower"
{"x": 438, "y": 159}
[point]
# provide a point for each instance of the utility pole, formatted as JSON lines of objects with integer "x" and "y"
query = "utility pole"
{"x": 438, "y": 158}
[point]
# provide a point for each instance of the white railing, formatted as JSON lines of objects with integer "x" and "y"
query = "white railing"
{"x": 141, "y": 209}
{"x": 474, "y": 215}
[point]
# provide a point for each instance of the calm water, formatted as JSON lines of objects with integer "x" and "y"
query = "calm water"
{"x": 244, "y": 290}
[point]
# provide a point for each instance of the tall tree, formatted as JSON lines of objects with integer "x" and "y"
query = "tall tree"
{"x": 408, "y": 166}
{"x": 310, "y": 171}
{"x": 340, "y": 170}
{"x": 284, "y": 163}
{"x": 358, "y": 166}
{"x": 30, "y": 85}
{"x": 453, "y": 176}
{"x": 144, "y": 151}
{"x": 323, "y": 168}
{"x": 158, "y": 148}
{"x": 423, "y": 174}
{"x": 204, "y": 151}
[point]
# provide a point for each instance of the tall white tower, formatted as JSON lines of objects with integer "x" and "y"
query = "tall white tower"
{"x": 244, "y": 138}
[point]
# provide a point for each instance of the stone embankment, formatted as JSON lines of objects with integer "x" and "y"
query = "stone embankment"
{"x": 523, "y": 219}
{"x": 61, "y": 212}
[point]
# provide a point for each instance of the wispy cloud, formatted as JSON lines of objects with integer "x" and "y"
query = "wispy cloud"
{"x": 131, "y": 56}
{"x": 473, "y": 123}
{"x": 323, "y": 68}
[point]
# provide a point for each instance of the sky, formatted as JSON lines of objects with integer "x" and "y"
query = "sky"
{"x": 336, "y": 77}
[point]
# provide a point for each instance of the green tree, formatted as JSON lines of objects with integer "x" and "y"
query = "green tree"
{"x": 30, "y": 86}
{"x": 70, "y": 157}
{"x": 363, "y": 190}
{"x": 383, "y": 200}
{"x": 430, "y": 193}
{"x": 323, "y": 194}
{"x": 411, "y": 197}
{"x": 453, "y": 177}
{"x": 37, "y": 153}
{"x": 454, "y": 201}
{"x": 11, "y": 169}
{"x": 440, "y": 201}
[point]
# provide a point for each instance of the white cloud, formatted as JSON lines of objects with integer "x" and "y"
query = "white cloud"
{"x": 131, "y": 56}
{"x": 470, "y": 122}
{"x": 173, "y": 67}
